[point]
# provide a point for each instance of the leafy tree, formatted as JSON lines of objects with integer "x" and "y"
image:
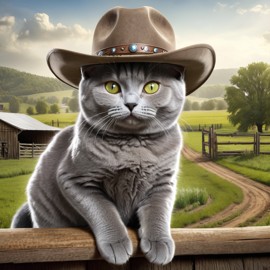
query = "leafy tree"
{"x": 30, "y": 110}
{"x": 14, "y": 104}
{"x": 54, "y": 108}
{"x": 208, "y": 105}
{"x": 41, "y": 107}
{"x": 73, "y": 104}
{"x": 248, "y": 98}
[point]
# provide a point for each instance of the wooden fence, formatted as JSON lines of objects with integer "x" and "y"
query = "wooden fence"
{"x": 196, "y": 249}
{"x": 213, "y": 143}
{"x": 31, "y": 150}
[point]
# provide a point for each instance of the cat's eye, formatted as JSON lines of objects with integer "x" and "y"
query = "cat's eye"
{"x": 151, "y": 87}
{"x": 112, "y": 87}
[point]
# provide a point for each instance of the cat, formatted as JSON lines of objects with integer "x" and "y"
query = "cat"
{"x": 118, "y": 165}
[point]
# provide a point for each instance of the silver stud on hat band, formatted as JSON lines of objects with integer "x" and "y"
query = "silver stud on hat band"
{"x": 133, "y": 48}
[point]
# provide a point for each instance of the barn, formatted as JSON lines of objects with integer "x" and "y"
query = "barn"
{"x": 19, "y": 132}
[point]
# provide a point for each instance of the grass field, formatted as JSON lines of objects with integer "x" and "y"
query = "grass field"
{"x": 13, "y": 180}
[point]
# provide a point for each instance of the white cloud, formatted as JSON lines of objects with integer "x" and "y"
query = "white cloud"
{"x": 40, "y": 28}
{"x": 258, "y": 9}
{"x": 7, "y": 21}
{"x": 35, "y": 38}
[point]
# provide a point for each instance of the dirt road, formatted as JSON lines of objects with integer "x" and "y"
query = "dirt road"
{"x": 256, "y": 196}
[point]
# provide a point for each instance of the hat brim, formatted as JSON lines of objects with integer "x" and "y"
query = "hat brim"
{"x": 198, "y": 61}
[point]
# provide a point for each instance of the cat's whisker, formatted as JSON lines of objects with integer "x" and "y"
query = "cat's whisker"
{"x": 166, "y": 132}
{"x": 96, "y": 125}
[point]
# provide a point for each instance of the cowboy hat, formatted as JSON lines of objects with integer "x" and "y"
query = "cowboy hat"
{"x": 135, "y": 35}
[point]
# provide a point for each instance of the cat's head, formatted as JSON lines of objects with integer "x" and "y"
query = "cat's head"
{"x": 131, "y": 98}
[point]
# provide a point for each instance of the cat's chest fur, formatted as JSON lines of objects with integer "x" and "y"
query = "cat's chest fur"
{"x": 127, "y": 168}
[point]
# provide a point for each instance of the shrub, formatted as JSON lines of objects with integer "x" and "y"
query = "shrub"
{"x": 190, "y": 196}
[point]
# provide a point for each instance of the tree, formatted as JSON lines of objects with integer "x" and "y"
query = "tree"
{"x": 41, "y": 107}
{"x": 14, "y": 104}
{"x": 248, "y": 98}
{"x": 54, "y": 108}
{"x": 208, "y": 105}
{"x": 73, "y": 104}
{"x": 30, "y": 110}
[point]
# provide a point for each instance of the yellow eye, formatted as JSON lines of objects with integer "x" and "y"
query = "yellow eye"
{"x": 112, "y": 87}
{"x": 151, "y": 87}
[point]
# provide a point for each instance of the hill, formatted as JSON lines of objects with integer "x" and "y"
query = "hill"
{"x": 215, "y": 85}
{"x": 17, "y": 83}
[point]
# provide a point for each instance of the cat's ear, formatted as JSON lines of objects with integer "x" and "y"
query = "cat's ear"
{"x": 87, "y": 71}
{"x": 179, "y": 72}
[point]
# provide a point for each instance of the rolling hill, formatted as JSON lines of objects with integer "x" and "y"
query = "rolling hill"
{"x": 17, "y": 83}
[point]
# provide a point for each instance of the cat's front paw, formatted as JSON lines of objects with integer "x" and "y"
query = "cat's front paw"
{"x": 117, "y": 252}
{"x": 159, "y": 251}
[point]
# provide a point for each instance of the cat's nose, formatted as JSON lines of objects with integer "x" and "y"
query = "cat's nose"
{"x": 131, "y": 105}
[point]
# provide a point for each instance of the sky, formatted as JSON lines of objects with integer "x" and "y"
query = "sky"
{"x": 239, "y": 31}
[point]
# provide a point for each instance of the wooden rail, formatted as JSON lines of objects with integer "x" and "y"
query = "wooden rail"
{"x": 30, "y": 150}
{"x": 196, "y": 249}
{"x": 211, "y": 142}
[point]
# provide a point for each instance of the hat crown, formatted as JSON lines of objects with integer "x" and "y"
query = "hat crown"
{"x": 121, "y": 26}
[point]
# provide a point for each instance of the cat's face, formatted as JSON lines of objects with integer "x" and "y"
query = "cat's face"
{"x": 131, "y": 98}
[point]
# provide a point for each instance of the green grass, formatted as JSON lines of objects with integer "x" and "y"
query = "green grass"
{"x": 221, "y": 192}
{"x": 15, "y": 167}
{"x": 13, "y": 180}
{"x": 12, "y": 195}
{"x": 254, "y": 167}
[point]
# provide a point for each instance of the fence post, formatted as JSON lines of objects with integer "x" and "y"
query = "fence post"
{"x": 203, "y": 143}
{"x": 258, "y": 143}
{"x": 32, "y": 150}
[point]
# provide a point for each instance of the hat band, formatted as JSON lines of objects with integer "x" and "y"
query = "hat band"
{"x": 133, "y": 48}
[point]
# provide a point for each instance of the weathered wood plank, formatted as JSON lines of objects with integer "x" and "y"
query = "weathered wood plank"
{"x": 73, "y": 244}
{"x": 257, "y": 263}
{"x": 46, "y": 266}
{"x": 219, "y": 264}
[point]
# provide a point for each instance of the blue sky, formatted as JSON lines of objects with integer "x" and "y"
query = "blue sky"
{"x": 239, "y": 30}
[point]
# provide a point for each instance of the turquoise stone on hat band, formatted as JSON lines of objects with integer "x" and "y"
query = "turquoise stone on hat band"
{"x": 133, "y": 48}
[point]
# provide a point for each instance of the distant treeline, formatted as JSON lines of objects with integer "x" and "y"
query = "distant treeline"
{"x": 17, "y": 83}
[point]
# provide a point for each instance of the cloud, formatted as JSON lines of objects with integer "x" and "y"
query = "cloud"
{"x": 40, "y": 28}
{"x": 258, "y": 9}
{"x": 7, "y": 21}
{"x": 34, "y": 38}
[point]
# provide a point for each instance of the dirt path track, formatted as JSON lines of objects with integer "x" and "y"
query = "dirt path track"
{"x": 256, "y": 196}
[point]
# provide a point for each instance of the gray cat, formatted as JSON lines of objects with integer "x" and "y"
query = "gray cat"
{"x": 118, "y": 165}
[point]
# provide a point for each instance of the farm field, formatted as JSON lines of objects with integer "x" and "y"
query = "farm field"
{"x": 220, "y": 193}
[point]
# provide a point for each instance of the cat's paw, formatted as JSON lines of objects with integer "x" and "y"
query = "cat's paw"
{"x": 117, "y": 252}
{"x": 159, "y": 251}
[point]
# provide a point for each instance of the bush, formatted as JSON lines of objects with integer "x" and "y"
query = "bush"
{"x": 41, "y": 107}
{"x": 30, "y": 110}
{"x": 54, "y": 108}
{"x": 190, "y": 196}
